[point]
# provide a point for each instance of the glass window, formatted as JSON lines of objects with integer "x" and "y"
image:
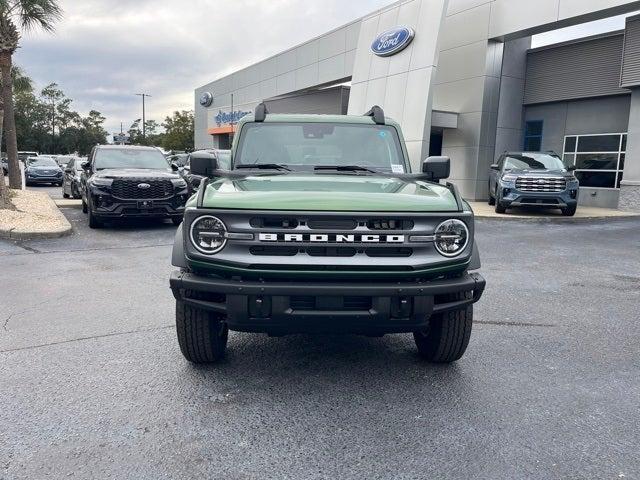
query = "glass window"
{"x": 42, "y": 162}
{"x": 570, "y": 144}
{"x": 303, "y": 146}
{"x": 597, "y": 161}
{"x": 533, "y": 136}
{"x": 597, "y": 179}
{"x": 599, "y": 143}
{"x": 130, "y": 158}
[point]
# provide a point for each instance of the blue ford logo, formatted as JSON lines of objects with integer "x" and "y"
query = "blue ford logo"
{"x": 392, "y": 41}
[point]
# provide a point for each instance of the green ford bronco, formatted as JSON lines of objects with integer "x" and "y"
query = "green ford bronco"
{"x": 320, "y": 227}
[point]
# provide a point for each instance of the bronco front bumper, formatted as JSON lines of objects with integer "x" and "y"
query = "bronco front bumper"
{"x": 349, "y": 307}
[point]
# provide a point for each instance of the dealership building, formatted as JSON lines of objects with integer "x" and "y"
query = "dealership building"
{"x": 462, "y": 80}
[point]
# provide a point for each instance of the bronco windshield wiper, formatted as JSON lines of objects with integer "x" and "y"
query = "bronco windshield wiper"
{"x": 344, "y": 168}
{"x": 266, "y": 166}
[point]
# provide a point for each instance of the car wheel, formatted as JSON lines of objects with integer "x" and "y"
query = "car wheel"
{"x": 569, "y": 211}
{"x": 202, "y": 335}
{"x": 492, "y": 198}
{"x": 94, "y": 222}
{"x": 500, "y": 208}
{"x": 446, "y": 338}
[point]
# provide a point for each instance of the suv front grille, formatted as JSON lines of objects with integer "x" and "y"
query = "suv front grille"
{"x": 541, "y": 184}
{"x": 130, "y": 190}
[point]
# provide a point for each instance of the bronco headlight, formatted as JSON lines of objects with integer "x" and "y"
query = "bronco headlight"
{"x": 208, "y": 234}
{"x": 451, "y": 237}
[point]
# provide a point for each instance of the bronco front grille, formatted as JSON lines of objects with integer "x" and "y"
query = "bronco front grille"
{"x": 541, "y": 184}
{"x": 137, "y": 189}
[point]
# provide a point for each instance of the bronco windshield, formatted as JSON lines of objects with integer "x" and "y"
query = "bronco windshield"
{"x": 533, "y": 161}
{"x": 303, "y": 146}
{"x": 130, "y": 158}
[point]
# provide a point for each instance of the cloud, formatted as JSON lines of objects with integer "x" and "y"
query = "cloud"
{"x": 105, "y": 51}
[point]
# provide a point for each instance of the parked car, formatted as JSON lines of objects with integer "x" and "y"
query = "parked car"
{"x": 63, "y": 160}
{"x": 42, "y": 169}
{"x": 320, "y": 227}
{"x": 131, "y": 181}
{"x": 179, "y": 159}
{"x": 22, "y": 156}
{"x": 223, "y": 158}
{"x": 533, "y": 179}
{"x": 71, "y": 185}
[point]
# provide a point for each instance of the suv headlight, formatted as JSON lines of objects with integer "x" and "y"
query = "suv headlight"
{"x": 509, "y": 179}
{"x": 451, "y": 237}
{"x": 208, "y": 234}
{"x": 179, "y": 183}
{"x": 101, "y": 182}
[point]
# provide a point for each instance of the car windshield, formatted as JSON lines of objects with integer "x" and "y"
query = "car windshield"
{"x": 533, "y": 161}
{"x": 42, "y": 162}
{"x": 130, "y": 158}
{"x": 303, "y": 146}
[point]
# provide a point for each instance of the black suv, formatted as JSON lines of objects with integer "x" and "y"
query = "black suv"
{"x": 128, "y": 181}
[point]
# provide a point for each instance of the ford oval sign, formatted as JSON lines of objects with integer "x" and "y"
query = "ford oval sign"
{"x": 206, "y": 99}
{"x": 392, "y": 41}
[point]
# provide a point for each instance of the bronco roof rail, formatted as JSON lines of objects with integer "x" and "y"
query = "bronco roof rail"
{"x": 261, "y": 112}
{"x": 377, "y": 114}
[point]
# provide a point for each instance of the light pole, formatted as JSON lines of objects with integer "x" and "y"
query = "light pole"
{"x": 144, "y": 119}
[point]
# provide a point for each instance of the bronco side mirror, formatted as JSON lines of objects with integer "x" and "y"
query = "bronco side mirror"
{"x": 437, "y": 168}
{"x": 203, "y": 164}
{"x": 85, "y": 165}
{"x": 495, "y": 166}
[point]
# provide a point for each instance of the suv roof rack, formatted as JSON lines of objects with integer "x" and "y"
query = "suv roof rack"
{"x": 377, "y": 114}
{"x": 261, "y": 112}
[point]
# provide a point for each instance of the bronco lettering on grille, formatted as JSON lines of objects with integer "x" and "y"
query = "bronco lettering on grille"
{"x": 329, "y": 238}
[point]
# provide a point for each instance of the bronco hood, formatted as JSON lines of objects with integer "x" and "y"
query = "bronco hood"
{"x": 322, "y": 192}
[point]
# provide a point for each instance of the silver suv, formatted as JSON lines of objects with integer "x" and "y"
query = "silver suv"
{"x": 533, "y": 179}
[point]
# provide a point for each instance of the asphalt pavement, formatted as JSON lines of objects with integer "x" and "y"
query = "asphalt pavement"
{"x": 94, "y": 385}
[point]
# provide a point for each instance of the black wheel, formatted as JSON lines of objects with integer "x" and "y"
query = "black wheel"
{"x": 84, "y": 207}
{"x": 447, "y": 337}
{"x": 176, "y": 221}
{"x": 202, "y": 335}
{"x": 94, "y": 222}
{"x": 569, "y": 211}
{"x": 492, "y": 199}
{"x": 500, "y": 208}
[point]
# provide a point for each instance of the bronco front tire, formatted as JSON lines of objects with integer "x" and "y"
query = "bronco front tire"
{"x": 202, "y": 335}
{"x": 447, "y": 337}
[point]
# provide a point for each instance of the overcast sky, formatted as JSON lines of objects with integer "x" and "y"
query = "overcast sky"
{"x": 105, "y": 51}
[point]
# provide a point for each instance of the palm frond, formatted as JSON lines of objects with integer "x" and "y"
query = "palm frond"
{"x": 31, "y": 14}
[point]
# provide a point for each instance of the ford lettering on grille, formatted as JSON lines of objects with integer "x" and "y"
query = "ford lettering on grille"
{"x": 329, "y": 238}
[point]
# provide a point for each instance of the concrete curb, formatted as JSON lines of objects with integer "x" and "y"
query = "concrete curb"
{"x": 14, "y": 234}
{"x": 19, "y": 233}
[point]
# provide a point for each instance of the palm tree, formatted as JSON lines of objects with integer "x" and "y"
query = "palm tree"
{"x": 21, "y": 84}
{"x": 17, "y": 16}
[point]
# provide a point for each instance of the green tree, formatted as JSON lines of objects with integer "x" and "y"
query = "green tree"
{"x": 17, "y": 16}
{"x": 179, "y": 131}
